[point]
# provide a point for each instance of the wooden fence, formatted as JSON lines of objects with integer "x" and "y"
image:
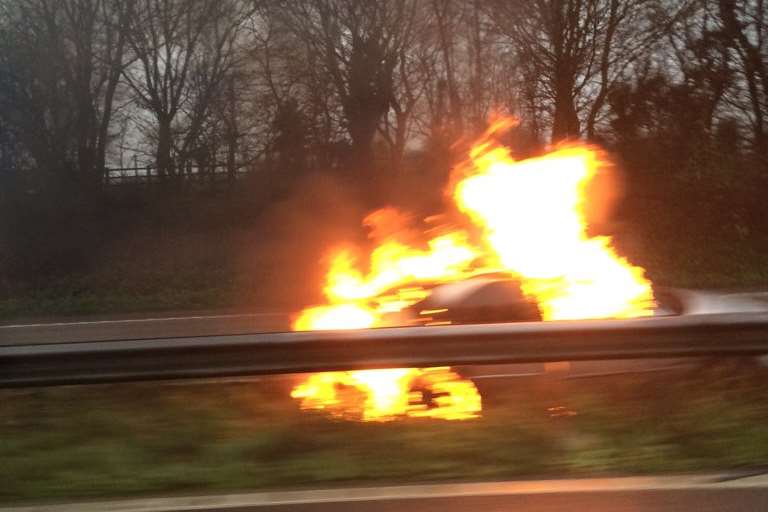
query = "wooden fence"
{"x": 149, "y": 175}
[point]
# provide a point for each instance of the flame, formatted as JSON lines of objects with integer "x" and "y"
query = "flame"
{"x": 396, "y": 264}
{"x": 376, "y": 395}
{"x": 529, "y": 219}
{"x": 340, "y": 316}
{"x": 532, "y": 217}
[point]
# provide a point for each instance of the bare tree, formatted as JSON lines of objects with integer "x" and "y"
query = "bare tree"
{"x": 65, "y": 64}
{"x": 578, "y": 49}
{"x": 703, "y": 59}
{"x": 744, "y": 23}
{"x": 448, "y": 17}
{"x": 554, "y": 38}
{"x": 359, "y": 45}
{"x": 185, "y": 51}
{"x": 409, "y": 83}
{"x": 97, "y": 31}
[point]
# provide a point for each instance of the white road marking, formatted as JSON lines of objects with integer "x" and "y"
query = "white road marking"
{"x": 139, "y": 320}
{"x": 506, "y": 375}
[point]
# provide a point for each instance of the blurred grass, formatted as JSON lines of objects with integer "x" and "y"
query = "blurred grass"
{"x": 235, "y": 268}
{"x": 196, "y": 287}
{"x": 65, "y": 298}
{"x": 134, "y": 439}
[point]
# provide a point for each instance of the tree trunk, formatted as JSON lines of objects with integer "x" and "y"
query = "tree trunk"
{"x": 565, "y": 124}
{"x": 115, "y": 72}
{"x": 754, "y": 69}
{"x": 597, "y": 105}
{"x": 85, "y": 153}
{"x": 231, "y": 132}
{"x": 362, "y": 166}
{"x": 398, "y": 149}
{"x": 362, "y": 131}
{"x": 103, "y": 134}
{"x": 456, "y": 115}
{"x": 163, "y": 156}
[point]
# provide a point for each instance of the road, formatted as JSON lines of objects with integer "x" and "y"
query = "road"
{"x": 703, "y": 493}
{"x": 136, "y": 328}
{"x": 207, "y": 324}
{"x": 195, "y": 325}
{"x": 630, "y": 501}
{"x": 612, "y": 495}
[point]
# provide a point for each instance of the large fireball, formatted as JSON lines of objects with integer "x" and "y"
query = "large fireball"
{"x": 529, "y": 219}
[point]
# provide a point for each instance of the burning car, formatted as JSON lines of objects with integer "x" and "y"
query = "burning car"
{"x": 496, "y": 298}
{"x": 521, "y": 251}
{"x": 492, "y": 298}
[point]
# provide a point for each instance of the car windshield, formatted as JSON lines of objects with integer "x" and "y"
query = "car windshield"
{"x": 351, "y": 249}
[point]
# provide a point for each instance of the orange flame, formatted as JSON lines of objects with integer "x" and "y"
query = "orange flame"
{"x": 530, "y": 219}
{"x": 396, "y": 264}
{"x": 533, "y": 222}
{"x": 376, "y": 395}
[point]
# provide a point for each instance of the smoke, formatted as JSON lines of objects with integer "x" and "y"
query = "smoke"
{"x": 604, "y": 194}
{"x": 287, "y": 251}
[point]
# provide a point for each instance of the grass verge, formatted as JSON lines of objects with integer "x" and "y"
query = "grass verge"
{"x": 167, "y": 438}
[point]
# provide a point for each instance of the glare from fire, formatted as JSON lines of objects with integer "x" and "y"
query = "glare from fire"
{"x": 528, "y": 219}
{"x": 339, "y": 316}
{"x": 532, "y": 217}
{"x": 378, "y": 395}
{"x": 395, "y": 264}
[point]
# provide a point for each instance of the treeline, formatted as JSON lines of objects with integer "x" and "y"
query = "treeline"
{"x": 372, "y": 90}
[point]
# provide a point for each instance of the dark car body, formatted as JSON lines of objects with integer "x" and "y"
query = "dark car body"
{"x": 496, "y": 298}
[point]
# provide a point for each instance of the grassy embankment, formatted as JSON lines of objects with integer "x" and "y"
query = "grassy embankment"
{"x": 144, "y": 439}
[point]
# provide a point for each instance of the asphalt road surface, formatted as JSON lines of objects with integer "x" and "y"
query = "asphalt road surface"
{"x": 630, "y": 501}
{"x": 136, "y": 328}
{"x": 704, "y": 493}
{"x": 203, "y": 324}
{"x": 191, "y": 325}
{"x": 548, "y": 497}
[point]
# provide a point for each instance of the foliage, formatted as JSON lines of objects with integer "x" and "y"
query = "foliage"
{"x": 381, "y": 99}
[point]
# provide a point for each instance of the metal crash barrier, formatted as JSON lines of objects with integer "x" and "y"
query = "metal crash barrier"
{"x": 96, "y": 361}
